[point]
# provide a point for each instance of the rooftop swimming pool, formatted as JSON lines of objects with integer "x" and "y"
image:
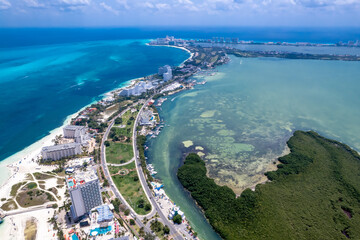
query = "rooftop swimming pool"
{"x": 74, "y": 237}
{"x": 71, "y": 183}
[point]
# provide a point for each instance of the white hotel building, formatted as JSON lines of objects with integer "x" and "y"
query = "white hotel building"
{"x": 58, "y": 152}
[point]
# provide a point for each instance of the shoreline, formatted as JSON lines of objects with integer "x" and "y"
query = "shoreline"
{"x": 32, "y": 151}
{"x": 182, "y": 48}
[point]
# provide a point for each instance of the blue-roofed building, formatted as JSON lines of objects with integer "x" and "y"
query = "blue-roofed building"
{"x": 105, "y": 215}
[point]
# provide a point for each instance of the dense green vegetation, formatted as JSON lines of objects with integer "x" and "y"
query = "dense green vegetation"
{"x": 140, "y": 142}
{"x": 123, "y": 127}
{"x": 290, "y": 55}
{"x": 314, "y": 194}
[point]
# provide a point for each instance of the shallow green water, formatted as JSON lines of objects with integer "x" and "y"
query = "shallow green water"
{"x": 245, "y": 114}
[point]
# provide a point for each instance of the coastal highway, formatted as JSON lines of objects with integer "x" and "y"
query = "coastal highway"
{"x": 173, "y": 232}
{"x": 107, "y": 174}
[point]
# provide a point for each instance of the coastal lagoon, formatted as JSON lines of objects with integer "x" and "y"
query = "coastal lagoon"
{"x": 243, "y": 116}
{"x": 43, "y": 84}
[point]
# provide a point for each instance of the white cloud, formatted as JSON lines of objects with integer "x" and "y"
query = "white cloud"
{"x": 4, "y": 4}
{"x": 34, "y": 4}
{"x": 162, "y": 6}
{"x": 326, "y": 3}
{"x": 147, "y": 5}
{"x": 188, "y": 5}
{"x": 109, "y": 8}
{"x": 74, "y": 2}
{"x": 123, "y": 3}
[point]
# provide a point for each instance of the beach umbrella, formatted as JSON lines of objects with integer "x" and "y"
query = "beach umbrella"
{"x": 94, "y": 233}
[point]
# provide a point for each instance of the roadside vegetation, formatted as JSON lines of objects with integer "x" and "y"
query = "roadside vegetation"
{"x": 159, "y": 229}
{"x": 314, "y": 194}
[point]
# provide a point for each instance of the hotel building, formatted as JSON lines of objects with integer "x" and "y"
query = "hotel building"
{"x": 84, "y": 190}
{"x": 58, "y": 152}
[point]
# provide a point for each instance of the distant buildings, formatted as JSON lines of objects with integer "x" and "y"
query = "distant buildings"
{"x": 175, "y": 211}
{"x": 170, "y": 40}
{"x": 78, "y": 133}
{"x": 172, "y": 87}
{"x": 58, "y": 152}
{"x": 165, "y": 72}
{"x": 138, "y": 89}
{"x": 84, "y": 190}
{"x": 147, "y": 118}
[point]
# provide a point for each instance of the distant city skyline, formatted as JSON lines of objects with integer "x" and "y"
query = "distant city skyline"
{"x": 117, "y": 13}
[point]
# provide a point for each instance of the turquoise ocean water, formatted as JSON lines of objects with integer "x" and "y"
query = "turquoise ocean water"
{"x": 43, "y": 84}
{"x": 244, "y": 115}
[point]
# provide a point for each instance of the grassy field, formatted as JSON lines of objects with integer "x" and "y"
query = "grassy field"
{"x": 114, "y": 170}
{"x": 130, "y": 187}
{"x": 314, "y": 194}
{"x": 127, "y": 120}
{"x": 9, "y": 205}
{"x": 33, "y": 197}
{"x": 42, "y": 176}
{"x": 15, "y": 188}
{"x": 119, "y": 152}
{"x": 31, "y": 185}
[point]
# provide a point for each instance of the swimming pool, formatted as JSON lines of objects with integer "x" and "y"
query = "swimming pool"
{"x": 100, "y": 231}
{"x": 74, "y": 237}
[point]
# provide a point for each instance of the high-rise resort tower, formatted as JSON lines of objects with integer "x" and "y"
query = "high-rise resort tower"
{"x": 84, "y": 190}
{"x": 165, "y": 72}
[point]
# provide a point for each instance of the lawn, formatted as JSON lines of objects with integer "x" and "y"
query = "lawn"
{"x": 131, "y": 189}
{"x": 119, "y": 153}
{"x": 113, "y": 169}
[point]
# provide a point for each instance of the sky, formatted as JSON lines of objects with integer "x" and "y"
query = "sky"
{"x": 117, "y": 13}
